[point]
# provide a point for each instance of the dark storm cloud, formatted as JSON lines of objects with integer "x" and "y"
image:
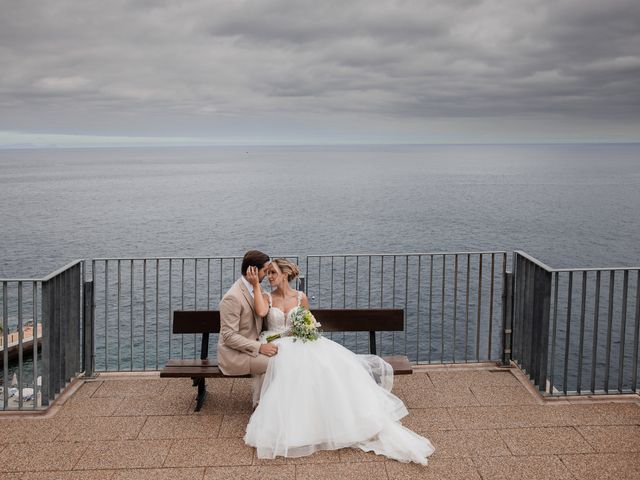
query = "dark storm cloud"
{"x": 194, "y": 67}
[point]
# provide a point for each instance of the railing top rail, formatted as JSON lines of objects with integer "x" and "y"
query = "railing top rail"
{"x": 603, "y": 269}
{"x": 44, "y": 279}
{"x": 411, "y": 254}
{"x": 534, "y": 260}
{"x": 202, "y": 257}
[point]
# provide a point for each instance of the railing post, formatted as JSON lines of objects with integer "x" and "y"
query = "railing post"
{"x": 87, "y": 331}
{"x": 302, "y": 284}
{"x": 507, "y": 317}
{"x": 47, "y": 319}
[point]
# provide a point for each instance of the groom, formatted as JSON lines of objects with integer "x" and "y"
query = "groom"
{"x": 239, "y": 351}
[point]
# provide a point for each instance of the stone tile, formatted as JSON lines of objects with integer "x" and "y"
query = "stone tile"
{"x": 474, "y": 378}
{"x": 212, "y": 452}
{"x": 124, "y": 454}
{"x": 502, "y": 395}
{"x": 415, "y": 380}
{"x": 424, "y": 420}
{"x": 351, "y": 455}
{"x": 27, "y": 457}
{"x": 548, "y": 467}
{"x": 131, "y": 388}
{"x": 322, "y": 456}
{"x": 468, "y": 443}
{"x": 70, "y": 475}
{"x": 341, "y": 471}
{"x": 604, "y": 466}
{"x": 217, "y": 402}
{"x": 437, "y": 469}
{"x": 429, "y": 398}
{"x": 262, "y": 472}
{"x": 182, "y": 426}
{"x": 181, "y": 385}
{"x": 599, "y": 414}
{"x": 92, "y": 407}
{"x": 101, "y": 428}
{"x": 165, "y": 405}
{"x": 12, "y": 476}
{"x": 31, "y": 430}
{"x": 545, "y": 441}
{"x": 242, "y": 386}
{"x": 508, "y": 416}
{"x": 234, "y": 425}
{"x": 612, "y": 439}
{"x": 88, "y": 388}
{"x": 159, "y": 474}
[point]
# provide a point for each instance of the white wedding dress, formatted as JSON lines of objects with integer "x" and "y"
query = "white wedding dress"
{"x": 318, "y": 395}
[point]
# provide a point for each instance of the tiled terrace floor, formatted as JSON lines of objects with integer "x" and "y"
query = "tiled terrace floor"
{"x": 484, "y": 422}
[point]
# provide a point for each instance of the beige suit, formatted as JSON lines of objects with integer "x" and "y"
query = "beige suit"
{"x": 238, "y": 345}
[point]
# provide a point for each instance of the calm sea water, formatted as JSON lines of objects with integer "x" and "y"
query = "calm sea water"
{"x": 569, "y": 205}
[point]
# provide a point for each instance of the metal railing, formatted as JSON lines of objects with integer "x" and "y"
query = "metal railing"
{"x": 573, "y": 331}
{"x": 452, "y": 300}
{"x": 42, "y": 312}
{"x": 133, "y": 301}
{"x": 134, "y": 298}
{"x": 576, "y": 329}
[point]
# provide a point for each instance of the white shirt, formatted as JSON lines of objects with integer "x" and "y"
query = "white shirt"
{"x": 248, "y": 285}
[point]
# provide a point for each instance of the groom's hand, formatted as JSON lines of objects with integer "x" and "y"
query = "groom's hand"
{"x": 268, "y": 349}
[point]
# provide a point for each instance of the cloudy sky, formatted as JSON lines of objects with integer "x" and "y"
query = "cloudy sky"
{"x": 281, "y": 71}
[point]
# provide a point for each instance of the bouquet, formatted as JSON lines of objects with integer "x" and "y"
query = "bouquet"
{"x": 304, "y": 326}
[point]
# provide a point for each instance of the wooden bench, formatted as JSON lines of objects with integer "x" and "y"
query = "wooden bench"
{"x": 333, "y": 320}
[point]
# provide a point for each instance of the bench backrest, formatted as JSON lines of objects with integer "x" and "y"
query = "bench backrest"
{"x": 332, "y": 320}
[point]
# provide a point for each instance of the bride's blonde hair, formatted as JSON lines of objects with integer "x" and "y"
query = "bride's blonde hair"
{"x": 287, "y": 267}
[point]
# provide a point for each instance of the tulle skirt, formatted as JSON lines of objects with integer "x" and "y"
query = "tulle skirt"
{"x": 319, "y": 395}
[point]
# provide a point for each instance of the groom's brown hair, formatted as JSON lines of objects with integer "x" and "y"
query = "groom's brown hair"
{"x": 254, "y": 258}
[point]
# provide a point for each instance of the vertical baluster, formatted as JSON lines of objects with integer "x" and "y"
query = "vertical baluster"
{"x": 131, "y": 268}
{"x": 430, "y": 306}
{"x": 195, "y": 303}
{"x": 568, "y": 335}
{"x": 406, "y": 299}
{"x": 118, "y": 309}
{"x": 182, "y": 302}
{"x": 623, "y": 328}
{"x": 5, "y": 343}
{"x": 442, "y": 308}
{"x": 144, "y": 314}
{"x": 35, "y": 345}
{"x": 106, "y": 304}
{"x": 418, "y": 309}
{"x": 583, "y": 302}
{"x": 466, "y": 311}
{"x": 171, "y": 303}
{"x": 208, "y": 284}
{"x": 594, "y": 348}
{"x": 20, "y": 346}
{"x": 636, "y": 339}
{"x": 393, "y": 304}
{"x": 344, "y": 289}
{"x": 490, "y": 333}
{"x": 455, "y": 304}
{"x": 612, "y": 280}
{"x": 157, "y": 312}
{"x": 479, "y": 315}
{"x": 356, "y": 306}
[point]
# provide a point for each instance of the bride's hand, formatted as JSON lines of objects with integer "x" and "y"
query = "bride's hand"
{"x": 252, "y": 276}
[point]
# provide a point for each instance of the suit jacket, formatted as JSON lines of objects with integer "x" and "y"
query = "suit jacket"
{"x": 239, "y": 331}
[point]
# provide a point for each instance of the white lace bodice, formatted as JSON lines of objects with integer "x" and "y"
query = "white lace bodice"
{"x": 277, "y": 321}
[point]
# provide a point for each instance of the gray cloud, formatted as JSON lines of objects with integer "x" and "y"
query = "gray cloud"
{"x": 327, "y": 70}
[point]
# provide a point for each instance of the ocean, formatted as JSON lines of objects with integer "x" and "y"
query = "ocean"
{"x": 567, "y": 205}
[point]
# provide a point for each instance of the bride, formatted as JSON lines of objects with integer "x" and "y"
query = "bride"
{"x": 318, "y": 395}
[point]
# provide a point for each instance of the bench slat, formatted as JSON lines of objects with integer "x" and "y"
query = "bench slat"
{"x": 400, "y": 364}
{"x": 332, "y": 320}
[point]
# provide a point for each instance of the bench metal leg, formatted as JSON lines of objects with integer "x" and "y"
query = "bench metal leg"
{"x": 202, "y": 393}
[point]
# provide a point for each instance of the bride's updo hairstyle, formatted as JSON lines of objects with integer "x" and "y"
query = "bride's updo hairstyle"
{"x": 287, "y": 267}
